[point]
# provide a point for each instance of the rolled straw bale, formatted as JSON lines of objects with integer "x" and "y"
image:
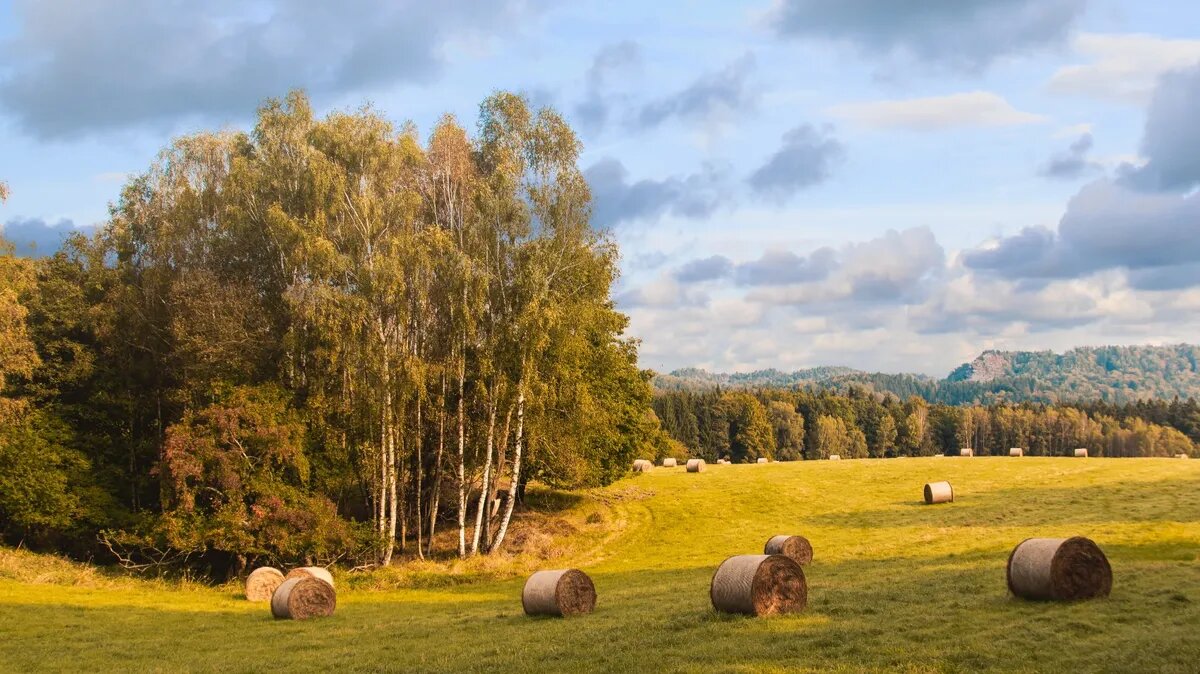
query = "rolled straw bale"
{"x": 669, "y": 463}
{"x": 695, "y": 465}
{"x": 262, "y": 583}
{"x": 1181, "y": 456}
{"x": 1081, "y": 453}
{"x": 763, "y": 459}
{"x": 759, "y": 585}
{"x": 797, "y": 548}
{"x": 1063, "y": 569}
{"x": 311, "y": 572}
{"x": 1016, "y": 451}
{"x": 835, "y": 457}
{"x": 303, "y": 597}
{"x": 938, "y": 492}
{"x": 966, "y": 451}
{"x": 642, "y": 466}
{"x": 564, "y": 592}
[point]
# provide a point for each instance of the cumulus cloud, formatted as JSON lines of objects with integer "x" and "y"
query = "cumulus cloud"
{"x": 618, "y": 200}
{"x": 34, "y": 237}
{"x": 714, "y": 95}
{"x": 963, "y": 35}
{"x": 1072, "y": 163}
{"x": 1171, "y": 138}
{"x": 596, "y": 108}
{"x": 806, "y": 158}
{"x": 704, "y": 269}
{"x": 1124, "y": 68}
{"x": 936, "y": 113}
{"x": 71, "y": 68}
{"x": 783, "y": 267}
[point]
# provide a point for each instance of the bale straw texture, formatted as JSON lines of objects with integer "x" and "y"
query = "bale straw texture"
{"x": 759, "y": 585}
{"x": 642, "y": 466}
{"x": 302, "y": 598}
{"x": 835, "y": 457}
{"x": 966, "y": 451}
{"x": 262, "y": 583}
{"x": 938, "y": 492}
{"x": 311, "y": 572}
{"x": 796, "y": 548}
{"x": 695, "y": 465}
{"x": 1061, "y": 569}
{"x": 1016, "y": 451}
{"x": 1081, "y": 453}
{"x": 563, "y": 592}
{"x": 669, "y": 463}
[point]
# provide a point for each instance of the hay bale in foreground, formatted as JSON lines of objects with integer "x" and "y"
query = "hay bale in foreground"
{"x": 966, "y": 451}
{"x": 262, "y": 583}
{"x": 759, "y": 585}
{"x": 564, "y": 592}
{"x": 1016, "y": 451}
{"x": 1062, "y": 569}
{"x": 938, "y": 492}
{"x": 311, "y": 572}
{"x": 695, "y": 465}
{"x": 796, "y": 548}
{"x": 762, "y": 459}
{"x": 835, "y": 457}
{"x": 669, "y": 462}
{"x": 301, "y": 598}
{"x": 1081, "y": 453}
{"x": 642, "y": 466}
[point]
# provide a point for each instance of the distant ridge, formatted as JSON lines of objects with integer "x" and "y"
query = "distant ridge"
{"x": 1114, "y": 374}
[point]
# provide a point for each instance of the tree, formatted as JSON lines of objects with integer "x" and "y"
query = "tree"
{"x": 788, "y": 427}
{"x": 750, "y": 433}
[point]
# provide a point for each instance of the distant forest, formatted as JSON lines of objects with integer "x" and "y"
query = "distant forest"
{"x": 1112, "y": 374}
{"x": 781, "y": 424}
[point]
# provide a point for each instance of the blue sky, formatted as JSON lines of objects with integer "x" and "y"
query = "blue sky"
{"x": 793, "y": 182}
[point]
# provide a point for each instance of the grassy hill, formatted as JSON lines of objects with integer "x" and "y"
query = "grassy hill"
{"x": 895, "y": 584}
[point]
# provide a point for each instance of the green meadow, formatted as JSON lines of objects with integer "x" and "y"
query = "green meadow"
{"x": 895, "y": 584}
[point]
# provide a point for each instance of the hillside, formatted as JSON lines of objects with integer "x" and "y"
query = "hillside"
{"x": 895, "y": 585}
{"x": 1115, "y": 374}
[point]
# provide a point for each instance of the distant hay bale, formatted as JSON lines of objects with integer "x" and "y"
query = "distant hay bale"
{"x": 939, "y": 492}
{"x": 1016, "y": 451}
{"x": 311, "y": 572}
{"x": 669, "y": 463}
{"x": 262, "y": 583}
{"x": 642, "y": 466}
{"x": 722, "y": 461}
{"x": 303, "y": 597}
{"x": 1081, "y": 453}
{"x": 835, "y": 457}
{"x": 1181, "y": 456}
{"x": 763, "y": 459}
{"x": 1062, "y": 569}
{"x": 796, "y": 548}
{"x": 966, "y": 451}
{"x": 759, "y": 585}
{"x": 564, "y": 592}
{"x": 695, "y": 465}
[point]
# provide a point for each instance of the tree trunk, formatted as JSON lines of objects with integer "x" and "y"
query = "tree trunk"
{"x": 420, "y": 475}
{"x": 484, "y": 489}
{"x": 516, "y": 472}
{"x": 462, "y": 446}
{"x": 437, "y": 468}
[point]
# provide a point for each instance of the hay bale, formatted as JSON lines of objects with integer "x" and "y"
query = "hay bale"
{"x": 1181, "y": 456}
{"x": 262, "y": 583}
{"x": 642, "y": 466}
{"x": 311, "y": 572}
{"x": 796, "y": 548}
{"x": 938, "y": 492}
{"x": 835, "y": 457}
{"x": 1062, "y": 569}
{"x": 565, "y": 592}
{"x": 1016, "y": 451}
{"x": 759, "y": 585}
{"x": 669, "y": 463}
{"x": 695, "y": 465}
{"x": 1081, "y": 453}
{"x": 303, "y": 597}
{"x": 966, "y": 451}
{"x": 763, "y": 459}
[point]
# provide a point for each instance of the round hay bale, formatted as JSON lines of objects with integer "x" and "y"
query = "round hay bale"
{"x": 938, "y": 492}
{"x": 311, "y": 572}
{"x": 835, "y": 457}
{"x": 763, "y": 459}
{"x": 262, "y": 583}
{"x": 1062, "y": 569}
{"x": 759, "y": 585}
{"x": 796, "y": 548}
{"x": 1081, "y": 453}
{"x": 642, "y": 466}
{"x": 564, "y": 592}
{"x": 966, "y": 451}
{"x": 669, "y": 463}
{"x": 1016, "y": 451}
{"x": 1181, "y": 456}
{"x": 695, "y": 465}
{"x": 303, "y": 597}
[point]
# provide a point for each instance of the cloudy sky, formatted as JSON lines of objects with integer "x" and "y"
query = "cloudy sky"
{"x": 793, "y": 182}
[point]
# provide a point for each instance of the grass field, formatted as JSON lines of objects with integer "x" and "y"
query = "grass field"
{"x": 895, "y": 584}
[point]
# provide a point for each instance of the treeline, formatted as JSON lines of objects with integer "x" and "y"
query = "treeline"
{"x": 320, "y": 339}
{"x": 791, "y": 424}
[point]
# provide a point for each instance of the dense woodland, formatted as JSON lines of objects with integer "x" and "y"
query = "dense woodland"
{"x": 324, "y": 339}
{"x": 789, "y": 424}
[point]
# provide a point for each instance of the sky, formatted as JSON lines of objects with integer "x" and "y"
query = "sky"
{"x": 793, "y": 183}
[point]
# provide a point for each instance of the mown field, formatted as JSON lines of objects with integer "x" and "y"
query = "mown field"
{"x": 895, "y": 584}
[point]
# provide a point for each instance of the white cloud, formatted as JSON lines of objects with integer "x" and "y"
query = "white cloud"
{"x": 935, "y": 113}
{"x": 1123, "y": 67}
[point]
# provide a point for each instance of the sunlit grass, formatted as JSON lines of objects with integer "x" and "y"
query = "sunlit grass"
{"x": 895, "y": 584}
